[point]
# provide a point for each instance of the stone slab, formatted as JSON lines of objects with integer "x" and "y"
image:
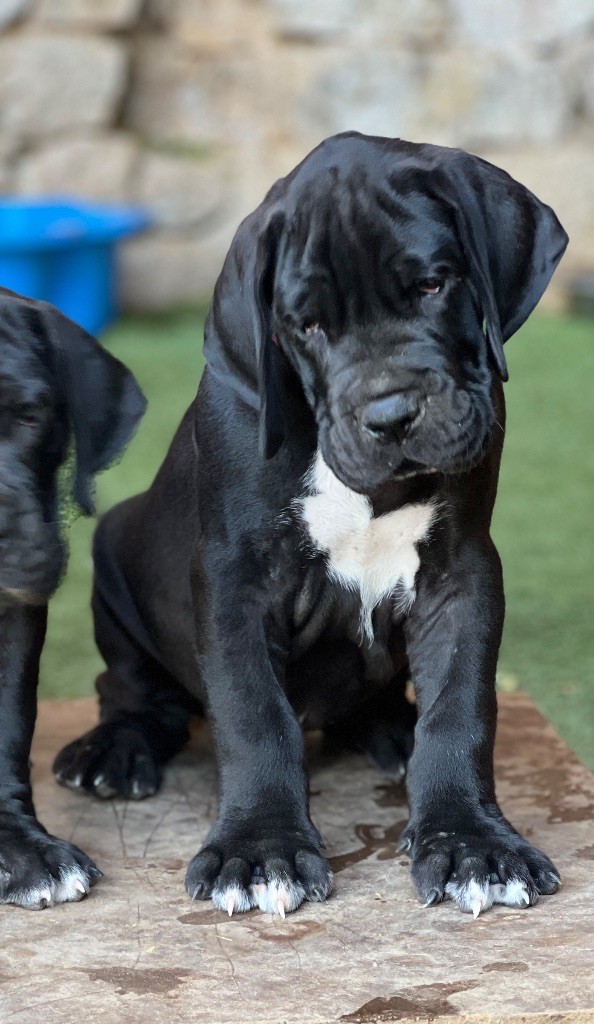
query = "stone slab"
{"x": 94, "y": 14}
{"x": 102, "y": 166}
{"x": 11, "y": 11}
{"x": 139, "y": 951}
{"x": 52, "y": 83}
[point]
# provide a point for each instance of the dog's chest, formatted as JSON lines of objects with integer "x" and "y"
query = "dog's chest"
{"x": 376, "y": 557}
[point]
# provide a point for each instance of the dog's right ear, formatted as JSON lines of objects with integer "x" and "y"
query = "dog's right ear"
{"x": 238, "y": 342}
{"x": 270, "y": 370}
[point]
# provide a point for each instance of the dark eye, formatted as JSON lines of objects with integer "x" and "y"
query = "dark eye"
{"x": 28, "y": 418}
{"x": 430, "y": 285}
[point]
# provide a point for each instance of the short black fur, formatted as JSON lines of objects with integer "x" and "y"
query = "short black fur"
{"x": 361, "y": 312}
{"x": 57, "y": 385}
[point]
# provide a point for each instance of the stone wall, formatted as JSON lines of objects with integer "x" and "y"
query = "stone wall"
{"x": 194, "y": 107}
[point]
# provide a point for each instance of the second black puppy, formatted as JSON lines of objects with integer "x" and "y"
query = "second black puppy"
{"x": 332, "y": 487}
{"x": 56, "y": 384}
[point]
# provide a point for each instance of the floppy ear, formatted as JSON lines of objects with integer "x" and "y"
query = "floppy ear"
{"x": 512, "y": 243}
{"x": 103, "y": 399}
{"x": 271, "y": 368}
{"x": 238, "y": 344}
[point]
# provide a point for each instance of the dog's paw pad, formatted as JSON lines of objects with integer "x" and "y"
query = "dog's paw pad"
{"x": 37, "y": 897}
{"x": 276, "y": 885}
{"x": 42, "y": 871}
{"x": 478, "y": 871}
{"x": 475, "y": 897}
{"x": 73, "y": 885}
{"x": 472, "y": 896}
{"x": 232, "y": 899}
{"x": 277, "y": 894}
{"x": 110, "y": 760}
{"x": 547, "y": 882}
{"x": 314, "y": 874}
{"x": 101, "y": 787}
{"x": 542, "y": 870}
{"x": 202, "y": 873}
{"x": 514, "y": 893}
{"x": 69, "y": 781}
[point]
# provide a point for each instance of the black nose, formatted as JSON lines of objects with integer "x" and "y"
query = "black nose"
{"x": 389, "y": 418}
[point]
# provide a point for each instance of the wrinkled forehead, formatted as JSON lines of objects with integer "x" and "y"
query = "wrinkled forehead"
{"x": 353, "y": 227}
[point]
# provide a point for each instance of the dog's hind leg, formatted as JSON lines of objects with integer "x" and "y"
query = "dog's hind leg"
{"x": 358, "y": 698}
{"x": 144, "y": 716}
{"x": 382, "y": 727}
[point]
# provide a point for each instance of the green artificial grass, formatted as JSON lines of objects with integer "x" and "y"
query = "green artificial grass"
{"x": 542, "y": 523}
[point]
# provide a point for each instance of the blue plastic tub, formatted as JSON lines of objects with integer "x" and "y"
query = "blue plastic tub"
{"x": 63, "y": 251}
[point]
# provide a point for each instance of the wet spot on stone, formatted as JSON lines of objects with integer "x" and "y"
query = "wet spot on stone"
{"x": 516, "y": 966}
{"x": 289, "y": 932}
{"x": 423, "y": 1002}
{"x": 139, "y": 980}
{"x": 586, "y": 853}
{"x": 376, "y": 840}
{"x": 560, "y": 787}
{"x": 169, "y": 865}
{"x": 555, "y": 791}
{"x": 209, "y": 916}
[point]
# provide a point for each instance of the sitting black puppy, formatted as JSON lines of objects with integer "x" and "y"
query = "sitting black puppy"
{"x": 56, "y": 384}
{"x": 320, "y": 526}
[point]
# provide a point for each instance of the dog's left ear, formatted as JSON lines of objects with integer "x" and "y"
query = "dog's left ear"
{"x": 512, "y": 242}
{"x": 104, "y": 401}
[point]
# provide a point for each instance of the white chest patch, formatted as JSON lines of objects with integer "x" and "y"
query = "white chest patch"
{"x": 376, "y": 557}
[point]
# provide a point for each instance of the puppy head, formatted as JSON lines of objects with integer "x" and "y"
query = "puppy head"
{"x": 56, "y": 383}
{"x": 389, "y": 275}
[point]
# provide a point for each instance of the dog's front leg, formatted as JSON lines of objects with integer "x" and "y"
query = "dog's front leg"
{"x": 460, "y": 843}
{"x": 263, "y": 849}
{"x": 36, "y": 869}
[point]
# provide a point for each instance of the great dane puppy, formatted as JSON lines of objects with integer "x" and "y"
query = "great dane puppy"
{"x": 57, "y": 385}
{"x": 320, "y": 527}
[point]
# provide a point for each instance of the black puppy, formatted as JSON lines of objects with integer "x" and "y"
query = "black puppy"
{"x": 320, "y": 526}
{"x": 56, "y": 384}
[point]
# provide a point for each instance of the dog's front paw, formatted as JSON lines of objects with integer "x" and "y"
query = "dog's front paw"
{"x": 478, "y": 865}
{"x": 37, "y": 870}
{"x": 251, "y": 867}
{"x": 110, "y": 760}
